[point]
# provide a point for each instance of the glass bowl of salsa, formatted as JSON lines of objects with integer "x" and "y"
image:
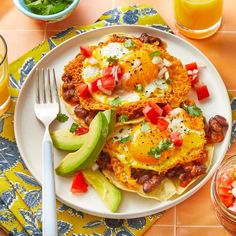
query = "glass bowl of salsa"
{"x": 223, "y": 194}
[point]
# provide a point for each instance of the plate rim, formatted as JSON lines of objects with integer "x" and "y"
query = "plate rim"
{"x": 119, "y": 215}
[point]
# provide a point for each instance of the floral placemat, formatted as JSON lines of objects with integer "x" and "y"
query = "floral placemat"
{"x": 20, "y": 194}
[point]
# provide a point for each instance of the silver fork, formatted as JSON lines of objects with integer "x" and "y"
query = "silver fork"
{"x": 46, "y": 108}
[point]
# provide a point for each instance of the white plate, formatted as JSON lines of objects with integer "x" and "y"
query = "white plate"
{"x": 29, "y": 131}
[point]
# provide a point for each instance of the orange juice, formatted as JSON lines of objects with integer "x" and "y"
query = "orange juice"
{"x": 198, "y": 15}
{"x": 4, "y": 86}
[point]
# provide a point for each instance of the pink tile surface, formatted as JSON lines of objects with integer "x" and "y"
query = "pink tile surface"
{"x": 195, "y": 216}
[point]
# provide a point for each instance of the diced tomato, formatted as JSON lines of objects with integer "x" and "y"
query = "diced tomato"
{"x": 167, "y": 109}
{"x": 162, "y": 124}
{"x": 227, "y": 200}
{"x": 152, "y": 112}
{"x": 120, "y": 72}
{"x": 202, "y": 92}
{"x": 108, "y": 82}
{"x": 176, "y": 139}
{"x": 84, "y": 91}
{"x": 81, "y": 130}
{"x": 191, "y": 66}
{"x": 86, "y": 51}
{"x": 224, "y": 191}
{"x": 107, "y": 71}
{"x": 79, "y": 184}
{"x": 226, "y": 179}
{"x": 194, "y": 79}
{"x": 94, "y": 86}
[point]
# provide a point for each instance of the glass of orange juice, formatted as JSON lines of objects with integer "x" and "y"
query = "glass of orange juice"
{"x": 5, "y": 99}
{"x": 198, "y": 18}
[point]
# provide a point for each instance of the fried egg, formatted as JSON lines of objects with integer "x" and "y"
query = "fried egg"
{"x": 131, "y": 144}
{"x": 149, "y": 72}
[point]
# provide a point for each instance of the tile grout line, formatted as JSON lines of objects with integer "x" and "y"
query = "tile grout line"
{"x": 192, "y": 226}
{"x": 175, "y": 221}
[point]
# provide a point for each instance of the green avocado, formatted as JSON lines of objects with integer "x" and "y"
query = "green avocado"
{"x": 87, "y": 154}
{"x": 63, "y": 139}
{"x": 110, "y": 194}
{"x": 111, "y": 119}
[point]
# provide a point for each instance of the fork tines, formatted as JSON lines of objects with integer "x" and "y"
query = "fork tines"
{"x": 46, "y": 90}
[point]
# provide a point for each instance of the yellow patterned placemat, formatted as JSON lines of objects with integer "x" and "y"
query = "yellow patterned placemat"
{"x": 20, "y": 194}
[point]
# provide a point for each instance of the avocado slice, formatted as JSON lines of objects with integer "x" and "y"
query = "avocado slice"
{"x": 63, "y": 139}
{"x": 111, "y": 119}
{"x": 86, "y": 155}
{"x": 110, "y": 194}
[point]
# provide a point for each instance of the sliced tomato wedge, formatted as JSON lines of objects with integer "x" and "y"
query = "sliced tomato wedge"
{"x": 152, "y": 112}
{"x": 86, "y": 51}
{"x": 81, "y": 130}
{"x": 176, "y": 139}
{"x": 167, "y": 109}
{"x": 94, "y": 85}
{"x": 79, "y": 184}
{"x": 108, "y": 82}
{"x": 84, "y": 91}
{"x": 228, "y": 201}
{"x": 202, "y": 92}
{"x": 191, "y": 66}
{"x": 162, "y": 124}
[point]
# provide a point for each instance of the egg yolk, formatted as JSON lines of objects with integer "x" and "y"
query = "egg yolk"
{"x": 142, "y": 143}
{"x": 140, "y": 68}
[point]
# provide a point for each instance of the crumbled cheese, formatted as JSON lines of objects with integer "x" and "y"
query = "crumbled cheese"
{"x": 92, "y": 61}
{"x": 156, "y": 60}
{"x": 137, "y": 63}
{"x": 166, "y": 62}
{"x": 126, "y": 76}
{"x": 162, "y": 72}
{"x": 167, "y": 75}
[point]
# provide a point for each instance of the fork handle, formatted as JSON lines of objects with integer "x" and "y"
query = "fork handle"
{"x": 49, "y": 218}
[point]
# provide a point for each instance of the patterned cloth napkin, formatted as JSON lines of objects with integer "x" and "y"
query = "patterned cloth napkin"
{"x": 20, "y": 193}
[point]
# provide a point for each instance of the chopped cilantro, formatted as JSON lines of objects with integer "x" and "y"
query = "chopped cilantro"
{"x": 125, "y": 139}
{"x": 123, "y": 118}
{"x": 138, "y": 87}
{"x": 145, "y": 126}
{"x": 192, "y": 110}
{"x": 112, "y": 60}
{"x": 62, "y": 117}
{"x": 47, "y": 7}
{"x": 129, "y": 43}
{"x": 115, "y": 102}
{"x": 74, "y": 127}
{"x": 155, "y": 54}
{"x": 165, "y": 144}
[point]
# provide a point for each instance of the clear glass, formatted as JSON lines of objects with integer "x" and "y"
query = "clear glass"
{"x": 5, "y": 99}
{"x": 198, "y": 18}
{"x": 226, "y": 217}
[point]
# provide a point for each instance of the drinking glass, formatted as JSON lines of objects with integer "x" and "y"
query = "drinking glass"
{"x": 198, "y": 18}
{"x": 5, "y": 99}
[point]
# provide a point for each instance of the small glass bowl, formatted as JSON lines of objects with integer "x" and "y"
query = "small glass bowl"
{"x": 226, "y": 217}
